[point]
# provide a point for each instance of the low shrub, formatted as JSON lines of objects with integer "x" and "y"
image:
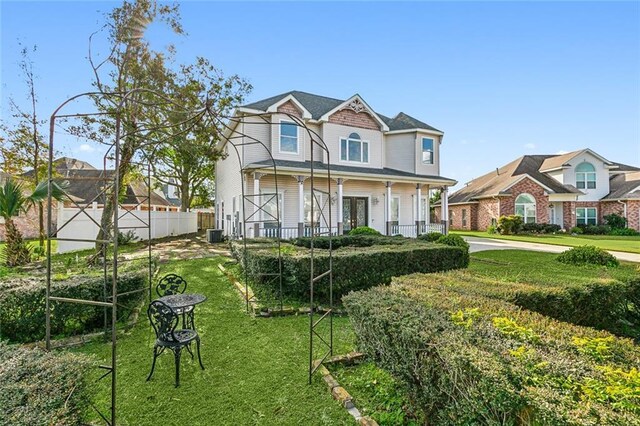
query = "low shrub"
{"x": 492, "y": 229}
{"x": 508, "y": 225}
{"x": 362, "y": 240}
{"x": 364, "y": 230}
{"x": 354, "y": 268}
{"x": 577, "y": 230}
{"x": 540, "y": 228}
{"x": 430, "y": 237}
{"x": 22, "y": 316}
{"x": 588, "y": 255}
{"x": 125, "y": 238}
{"x": 624, "y": 232}
{"x": 42, "y": 388}
{"x": 615, "y": 221}
{"x": 454, "y": 241}
{"x": 595, "y": 229}
{"x": 468, "y": 359}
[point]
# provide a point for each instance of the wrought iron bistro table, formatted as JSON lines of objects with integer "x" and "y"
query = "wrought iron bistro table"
{"x": 184, "y": 304}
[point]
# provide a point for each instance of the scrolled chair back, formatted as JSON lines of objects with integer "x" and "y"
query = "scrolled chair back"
{"x": 163, "y": 320}
{"x": 171, "y": 284}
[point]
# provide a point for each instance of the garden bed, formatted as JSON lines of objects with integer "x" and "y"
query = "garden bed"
{"x": 469, "y": 359}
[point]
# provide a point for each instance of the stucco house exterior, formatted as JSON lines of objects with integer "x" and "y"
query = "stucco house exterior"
{"x": 579, "y": 187}
{"x": 382, "y": 168}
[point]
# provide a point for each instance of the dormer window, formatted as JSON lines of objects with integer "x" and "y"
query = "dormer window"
{"x": 427, "y": 151}
{"x": 288, "y": 137}
{"x": 354, "y": 149}
{"x": 585, "y": 176}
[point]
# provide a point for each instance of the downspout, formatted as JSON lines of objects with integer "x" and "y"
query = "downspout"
{"x": 624, "y": 211}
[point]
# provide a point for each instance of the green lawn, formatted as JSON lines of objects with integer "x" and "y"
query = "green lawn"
{"x": 256, "y": 369}
{"x": 607, "y": 242}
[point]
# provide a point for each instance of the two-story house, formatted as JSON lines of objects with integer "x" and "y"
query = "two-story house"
{"x": 382, "y": 169}
{"x": 580, "y": 187}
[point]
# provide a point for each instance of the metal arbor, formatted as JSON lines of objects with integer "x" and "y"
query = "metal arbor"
{"x": 108, "y": 186}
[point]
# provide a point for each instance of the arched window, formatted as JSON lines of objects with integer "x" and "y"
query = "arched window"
{"x": 526, "y": 207}
{"x": 585, "y": 176}
{"x": 354, "y": 149}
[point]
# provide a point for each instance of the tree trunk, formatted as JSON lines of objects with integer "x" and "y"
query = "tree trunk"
{"x": 185, "y": 196}
{"x": 16, "y": 252}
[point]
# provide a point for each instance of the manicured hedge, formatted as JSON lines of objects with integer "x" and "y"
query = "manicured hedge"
{"x": 39, "y": 388}
{"x": 353, "y": 268}
{"x": 604, "y": 304}
{"x": 358, "y": 240}
{"x": 22, "y": 317}
{"x": 469, "y": 359}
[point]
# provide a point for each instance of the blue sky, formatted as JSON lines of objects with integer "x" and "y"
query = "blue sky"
{"x": 501, "y": 79}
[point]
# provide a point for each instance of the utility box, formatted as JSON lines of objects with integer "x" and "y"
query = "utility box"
{"x": 214, "y": 235}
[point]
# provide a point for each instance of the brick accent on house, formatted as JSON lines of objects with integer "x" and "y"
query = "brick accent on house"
{"x": 27, "y": 223}
{"x": 488, "y": 210}
{"x": 455, "y": 219}
{"x": 526, "y": 185}
{"x": 348, "y": 117}
{"x": 568, "y": 214}
{"x": 633, "y": 214}
{"x": 290, "y": 108}
{"x": 610, "y": 207}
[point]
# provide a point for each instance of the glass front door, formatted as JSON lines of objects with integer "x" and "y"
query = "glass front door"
{"x": 355, "y": 212}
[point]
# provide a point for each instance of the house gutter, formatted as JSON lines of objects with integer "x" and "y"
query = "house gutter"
{"x": 624, "y": 206}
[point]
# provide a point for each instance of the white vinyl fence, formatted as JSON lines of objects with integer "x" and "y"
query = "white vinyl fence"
{"x": 82, "y": 227}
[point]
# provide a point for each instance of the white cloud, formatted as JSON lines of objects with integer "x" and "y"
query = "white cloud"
{"x": 562, "y": 151}
{"x": 85, "y": 147}
{"x": 530, "y": 146}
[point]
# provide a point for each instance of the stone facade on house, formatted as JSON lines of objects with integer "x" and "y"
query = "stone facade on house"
{"x": 27, "y": 223}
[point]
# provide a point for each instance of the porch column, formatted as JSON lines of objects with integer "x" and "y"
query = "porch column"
{"x": 444, "y": 202}
{"x": 258, "y": 204}
{"x": 418, "y": 209}
{"x": 427, "y": 218}
{"x": 301, "y": 180}
{"x": 339, "y": 216}
{"x": 388, "y": 207}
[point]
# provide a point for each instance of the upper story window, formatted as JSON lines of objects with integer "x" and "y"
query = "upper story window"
{"x": 427, "y": 151}
{"x": 288, "y": 137}
{"x": 526, "y": 207}
{"x": 585, "y": 176}
{"x": 354, "y": 149}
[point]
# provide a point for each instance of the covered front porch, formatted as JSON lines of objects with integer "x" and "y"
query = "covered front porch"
{"x": 392, "y": 206}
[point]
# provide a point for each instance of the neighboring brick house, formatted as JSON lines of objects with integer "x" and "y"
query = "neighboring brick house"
{"x": 579, "y": 187}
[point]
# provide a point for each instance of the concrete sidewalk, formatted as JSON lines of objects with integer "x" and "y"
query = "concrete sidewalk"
{"x": 481, "y": 244}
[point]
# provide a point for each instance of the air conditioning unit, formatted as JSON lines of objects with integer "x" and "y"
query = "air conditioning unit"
{"x": 214, "y": 236}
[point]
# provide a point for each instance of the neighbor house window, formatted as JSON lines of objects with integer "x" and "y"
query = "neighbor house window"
{"x": 427, "y": 151}
{"x": 354, "y": 148}
{"x": 464, "y": 218}
{"x": 526, "y": 207}
{"x": 585, "y": 176}
{"x": 395, "y": 210}
{"x": 586, "y": 216}
{"x": 288, "y": 137}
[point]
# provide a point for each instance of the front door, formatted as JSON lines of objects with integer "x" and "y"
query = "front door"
{"x": 355, "y": 212}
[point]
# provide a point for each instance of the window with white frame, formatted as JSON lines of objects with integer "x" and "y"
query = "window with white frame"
{"x": 586, "y": 216}
{"x": 269, "y": 212}
{"x": 395, "y": 211}
{"x": 526, "y": 207}
{"x": 427, "y": 151}
{"x": 354, "y": 149}
{"x": 585, "y": 176}
{"x": 423, "y": 209}
{"x": 288, "y": 137}
{"x": 316, "y": 208}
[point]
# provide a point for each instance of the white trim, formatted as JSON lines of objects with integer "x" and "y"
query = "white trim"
{"x": 535, "y": 207}
{"x": 415, "y": 130}
{"x": 370, "y": 110}
{"x": 362, "y": 141}
{"x": 274, "y": 107}
{"x": 576, "y": 153}
{"x": 284, "y": 120}
{"x": 433, "y": 151}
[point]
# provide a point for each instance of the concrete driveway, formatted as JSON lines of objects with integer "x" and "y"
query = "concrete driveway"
{"x": 481, "y": 244}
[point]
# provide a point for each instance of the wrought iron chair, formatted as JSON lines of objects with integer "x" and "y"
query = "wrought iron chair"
{"x": 172, "y": 284}
{"x": 164, "y": 321}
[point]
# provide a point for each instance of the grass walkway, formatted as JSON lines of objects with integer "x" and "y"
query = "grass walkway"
{"x": 256, "y": 369}
{"x": 607, "y": 242}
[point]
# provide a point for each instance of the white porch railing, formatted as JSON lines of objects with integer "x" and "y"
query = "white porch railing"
{"x": 409, "y": 231}
{"x": 432, "y": 227}
{"x": 291, "y": 232}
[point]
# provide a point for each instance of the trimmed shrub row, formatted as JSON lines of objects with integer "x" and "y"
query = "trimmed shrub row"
{"x": 468, "y": 359}
{"x": 22, "y": 316}
{"x": 357, "y": 240}
{"x": 588, "y": 255}
{"x": 353, "y": 268}
{"x": 41, "y": 388}
{"x": 613, "y": 306}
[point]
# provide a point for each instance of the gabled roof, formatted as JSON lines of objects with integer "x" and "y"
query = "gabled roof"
{"x": 558, "y": 161}
{"x": 624, "y": 186}
{"x": 318, "y": 106}
{"x": 499, "y": 181}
